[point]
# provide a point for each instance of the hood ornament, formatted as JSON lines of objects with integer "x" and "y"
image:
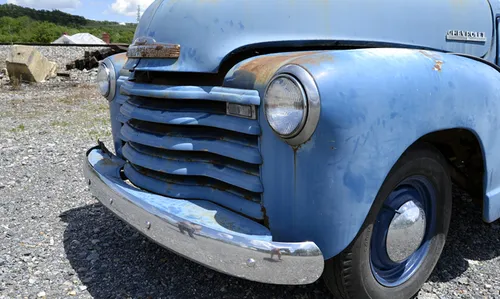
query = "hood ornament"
{"x": 147, "y": 47}
{"x": 466, "y": 36}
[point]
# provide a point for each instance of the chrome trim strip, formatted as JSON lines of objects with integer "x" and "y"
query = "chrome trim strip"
{"x": 250, "y": 255}
{"x": 313, "y": 102}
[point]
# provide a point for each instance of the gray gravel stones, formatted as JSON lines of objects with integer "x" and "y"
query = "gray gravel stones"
{"x": 56, "y": 241}
{"x": 60, "y": 55}
{"x": 45, "y": 130}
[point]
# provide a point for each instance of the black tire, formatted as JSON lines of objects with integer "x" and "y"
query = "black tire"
{"x": 349, "y": 275}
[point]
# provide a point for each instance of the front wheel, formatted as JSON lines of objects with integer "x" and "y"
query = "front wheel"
{"x": 403, "y": 235}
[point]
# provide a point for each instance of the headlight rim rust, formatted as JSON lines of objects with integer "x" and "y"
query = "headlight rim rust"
{"x": 312, "y": 107}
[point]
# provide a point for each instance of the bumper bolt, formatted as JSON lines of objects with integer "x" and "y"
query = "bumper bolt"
{"x": 111, "y": 201}
{"x": 148, "y": 225}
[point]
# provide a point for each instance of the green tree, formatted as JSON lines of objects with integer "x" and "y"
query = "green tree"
{"x": 45, "y": 32}
{"x": 19, "y": 24}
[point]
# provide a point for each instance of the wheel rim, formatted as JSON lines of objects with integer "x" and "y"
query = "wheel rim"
{"x": 403, "y": 231}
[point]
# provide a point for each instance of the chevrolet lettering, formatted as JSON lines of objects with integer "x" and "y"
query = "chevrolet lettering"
{"x": 458, "y": 35}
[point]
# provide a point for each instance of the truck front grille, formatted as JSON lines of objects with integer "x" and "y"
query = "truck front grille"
{"x": 179, "y": 142}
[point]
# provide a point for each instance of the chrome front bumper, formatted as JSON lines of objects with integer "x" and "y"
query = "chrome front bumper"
{"x": 201, "y": 231}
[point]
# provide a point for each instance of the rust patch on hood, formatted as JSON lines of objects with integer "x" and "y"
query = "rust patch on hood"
{"x": 437, "y": 66}
{"x": 316, "y": 59}
{"x": 263, "y": 68}
{"x": 121, "y": 58}
{"x": 431, "y": 55}
{"x": 436, "y": 57}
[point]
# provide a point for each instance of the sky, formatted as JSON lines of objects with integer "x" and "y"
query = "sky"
{"x": 102, "y": 10}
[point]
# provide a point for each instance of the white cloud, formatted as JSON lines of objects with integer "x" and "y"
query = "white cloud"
{"x": 129, "y": 7}
{"x": 47, "y": 4}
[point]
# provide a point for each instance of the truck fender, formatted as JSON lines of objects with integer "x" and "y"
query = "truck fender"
{"x": 375, "y": 103}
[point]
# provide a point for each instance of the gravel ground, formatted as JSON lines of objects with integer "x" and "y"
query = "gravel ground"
{"x": 60, "y": 55}
{"x": 56, "y": 241}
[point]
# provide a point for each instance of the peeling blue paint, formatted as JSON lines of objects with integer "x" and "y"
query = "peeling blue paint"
{"x": 196, "y": 25}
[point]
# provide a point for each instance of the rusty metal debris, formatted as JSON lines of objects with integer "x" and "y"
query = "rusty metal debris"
{"x": 91, "y": 59}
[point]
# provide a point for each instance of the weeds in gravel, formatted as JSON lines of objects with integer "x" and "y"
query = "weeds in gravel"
{"x": 7, "y": 114}
{"x": 16, "y": 82}
{"x": 102, "y": 108}
{"x": 96, "y": 135}
{"x": 66, "y": 100}
{"x": 18, "y": 129}
{"x": 78, "y": 95}
{"x": 102, "y": 121}
{"x": 87, "y": 86}
{"x": 57, "y": 123}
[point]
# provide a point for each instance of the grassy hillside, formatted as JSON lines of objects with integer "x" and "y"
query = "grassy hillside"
{"x": 20, "y": 24}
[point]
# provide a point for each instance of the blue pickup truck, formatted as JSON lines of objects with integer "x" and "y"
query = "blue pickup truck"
{"x": 281, "y": 141}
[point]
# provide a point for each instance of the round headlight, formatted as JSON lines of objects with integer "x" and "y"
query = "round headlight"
{"x": 292, "y": 104}
{"x": 104, "y": 80}
{"x": 285, "y": 105}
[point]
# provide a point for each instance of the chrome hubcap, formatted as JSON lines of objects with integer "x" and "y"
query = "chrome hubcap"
{"x": 406, "y": 231}
{"x": 403, "y": 231}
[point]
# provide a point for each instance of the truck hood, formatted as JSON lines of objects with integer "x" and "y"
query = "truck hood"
{"x": 208, "y": 31}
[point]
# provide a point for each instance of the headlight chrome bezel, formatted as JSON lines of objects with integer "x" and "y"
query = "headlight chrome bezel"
{"x": 312, "y": 106}
{"x": 108, "y": 67}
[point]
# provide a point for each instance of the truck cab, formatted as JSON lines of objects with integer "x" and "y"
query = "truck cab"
{"x": 281, "y": 141}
